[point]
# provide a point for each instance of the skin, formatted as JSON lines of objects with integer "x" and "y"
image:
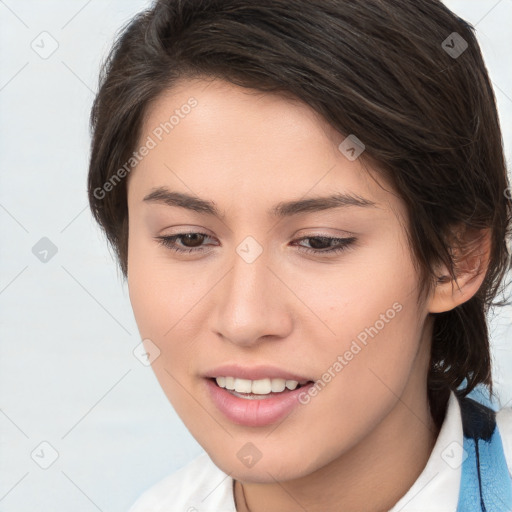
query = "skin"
{"x": 370, "y": 427}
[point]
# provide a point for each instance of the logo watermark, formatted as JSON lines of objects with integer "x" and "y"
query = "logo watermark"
{"x": 158, "y": 133}
{"x": 348, "y": 355}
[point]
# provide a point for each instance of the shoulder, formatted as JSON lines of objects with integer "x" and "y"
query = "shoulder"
{"x": 200, "y": 486}
{"x": 504, "y": 422}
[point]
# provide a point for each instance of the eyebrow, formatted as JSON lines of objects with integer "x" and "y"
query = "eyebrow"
{"x": 165, "y": 196}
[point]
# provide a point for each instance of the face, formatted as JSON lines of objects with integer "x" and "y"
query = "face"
{"x": 256, "y": 284}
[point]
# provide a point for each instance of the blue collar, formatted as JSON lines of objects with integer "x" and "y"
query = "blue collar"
{"x": 486, "y": 485}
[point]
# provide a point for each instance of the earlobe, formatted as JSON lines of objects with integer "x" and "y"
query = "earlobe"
{"x": 471, "y": 260}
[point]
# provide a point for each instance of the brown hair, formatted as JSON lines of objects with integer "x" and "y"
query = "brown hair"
{"x": 380, "y": 69}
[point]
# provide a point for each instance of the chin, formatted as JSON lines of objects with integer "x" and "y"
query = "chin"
{"x": 268, "y": 469}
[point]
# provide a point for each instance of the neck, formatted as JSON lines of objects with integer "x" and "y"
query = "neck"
{"x": 387, "y": 461}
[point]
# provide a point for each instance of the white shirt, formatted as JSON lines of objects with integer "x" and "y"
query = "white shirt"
{"x": 201, "y": 486}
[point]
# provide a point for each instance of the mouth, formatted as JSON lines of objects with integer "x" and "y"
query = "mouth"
{"x": 268, "y": 397}
{"x": 259, "y": 389}
{"x": 256, "y": 395}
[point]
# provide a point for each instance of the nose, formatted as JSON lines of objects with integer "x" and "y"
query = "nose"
{"x": 252, "y": 303}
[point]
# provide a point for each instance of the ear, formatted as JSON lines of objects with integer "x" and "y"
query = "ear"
{"x": 471, "y": 254}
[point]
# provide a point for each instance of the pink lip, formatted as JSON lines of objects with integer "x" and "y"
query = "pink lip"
{"x": 255, "y": 413}
{"x": 254, "y": 373}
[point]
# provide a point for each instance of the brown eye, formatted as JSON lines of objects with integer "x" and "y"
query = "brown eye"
{"x": 325, "y": 244}
{"x": 189, "y": 242}
{"x": 192, "y": 239}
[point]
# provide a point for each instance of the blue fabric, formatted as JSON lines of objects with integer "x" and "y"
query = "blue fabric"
{"x": 486, "y": 485}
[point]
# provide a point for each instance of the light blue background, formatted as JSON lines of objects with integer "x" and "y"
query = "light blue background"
{"x": 67, "y": 372}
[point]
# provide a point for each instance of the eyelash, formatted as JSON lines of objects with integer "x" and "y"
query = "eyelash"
{"x": 343, "y": 244}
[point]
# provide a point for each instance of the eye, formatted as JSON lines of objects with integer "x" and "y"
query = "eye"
{"x": 324, "y": 244}
{"x": 193, "y": 242}
{"x": 194, "y": 239}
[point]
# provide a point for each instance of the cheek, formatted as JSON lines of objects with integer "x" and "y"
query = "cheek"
{"x": 153, "y": 286}
{"x": 376, "y": 330}
{"x": 163, "y": 298}
{"x": 362, "y": 371}
{"x": 160, "y": 312}
{"x": 373, "y": 299}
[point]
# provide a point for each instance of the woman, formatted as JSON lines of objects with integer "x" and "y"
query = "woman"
{"x": 309, "y": 203}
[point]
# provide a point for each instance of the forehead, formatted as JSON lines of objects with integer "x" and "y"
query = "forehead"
{"x": 237, "y": 116}
{"x": 217, "y": 140}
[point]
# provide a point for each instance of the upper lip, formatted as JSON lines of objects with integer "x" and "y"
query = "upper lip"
{"x": 254, "y": 373}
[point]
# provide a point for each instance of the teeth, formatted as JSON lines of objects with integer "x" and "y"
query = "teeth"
{"x": 256, "y": 387}
{"x": 229, "y": 383}
{"x": 261, "y": 387}
{"x": 291, "y": 384}
{"x": 243, "y": 385}
{"x": 278, "y": 385}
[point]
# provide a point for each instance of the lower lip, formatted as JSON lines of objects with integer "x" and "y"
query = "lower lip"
{"x": 256, "y": 412}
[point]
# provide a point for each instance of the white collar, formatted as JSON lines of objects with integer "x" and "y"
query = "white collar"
{"x": 437, "y": 487}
